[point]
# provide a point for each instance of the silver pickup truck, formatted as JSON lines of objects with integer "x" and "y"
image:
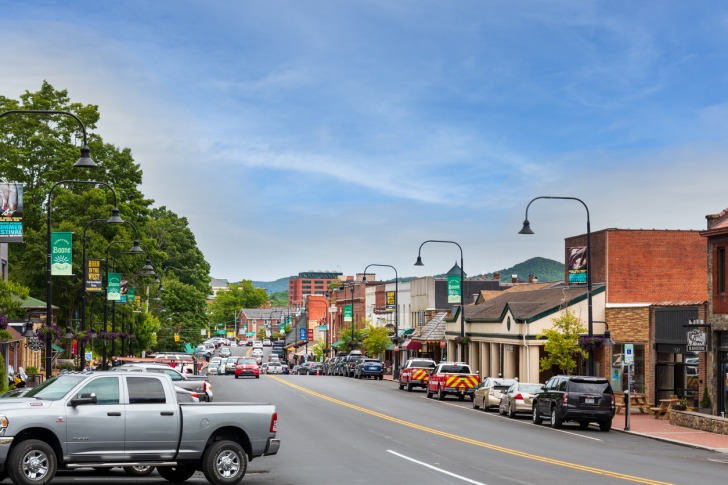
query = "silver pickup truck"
{"x": 124, "y": 419}
{"x": 199, "y": 384}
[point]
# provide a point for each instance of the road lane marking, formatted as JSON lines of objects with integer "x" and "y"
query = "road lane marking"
{"x": 482, "y": 444}
{"x": 435, "y": 468}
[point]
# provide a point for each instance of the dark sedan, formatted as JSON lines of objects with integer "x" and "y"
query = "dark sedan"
{"x": 310, "y": 368}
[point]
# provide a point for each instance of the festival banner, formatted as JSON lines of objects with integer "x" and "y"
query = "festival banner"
{"x": 11, "y": 212}
{"x": 390, "y": 301}
{"x": 113, "y": 287}
{"x": 62, "y": 254}
{"x": 124, "y": 289}
{"x": 348, "y": 313}
{"x": 93, "y": 281}
{"x": 130, "y": 294}
{"x": 577, "y": 264}
{"x": 453, "y": 289}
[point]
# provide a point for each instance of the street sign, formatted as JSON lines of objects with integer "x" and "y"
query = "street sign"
{"x": 628, "y": 353}
{"x": 697, "y": 340}
{"x": 322, "y": 328}
{"x": 301, "y": 333}
{"x": 310, "y": 335}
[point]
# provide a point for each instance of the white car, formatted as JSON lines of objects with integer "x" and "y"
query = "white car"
{"x": 256, "y": 352}
{"x": 264, "y": 368}
{"x": 273, "y": 368}
{"x": 257, "y": 344}
{"x": 267, "y": 343}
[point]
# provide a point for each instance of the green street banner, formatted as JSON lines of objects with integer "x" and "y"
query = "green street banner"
{"x": 93, "y": 281}
{"x": 113, "y": 287}
{"x": 348, "y": 313}
{"x": 11, "y": 212}
{"x": 124, "y": 289}
{"x": 453, "y": 289}
{"x": 62, "y": 254}
{"x": 130, "y": 293}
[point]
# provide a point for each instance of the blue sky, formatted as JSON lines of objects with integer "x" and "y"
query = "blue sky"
{"x": 328, "y": 135}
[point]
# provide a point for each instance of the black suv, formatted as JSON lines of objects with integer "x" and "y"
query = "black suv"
{"x": 581, "y": 399}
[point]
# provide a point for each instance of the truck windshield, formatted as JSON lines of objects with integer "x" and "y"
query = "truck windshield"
{"x": 55, "y": 387}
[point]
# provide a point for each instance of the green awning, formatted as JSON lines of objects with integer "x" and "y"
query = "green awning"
{"x": 406, "y": 331}
{"x": 390, "y": 347}
{"x": 338, "y": 343}
{"x": 57, "y": 348}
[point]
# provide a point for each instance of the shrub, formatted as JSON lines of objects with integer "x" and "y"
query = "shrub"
{"x": 705, "y": 401}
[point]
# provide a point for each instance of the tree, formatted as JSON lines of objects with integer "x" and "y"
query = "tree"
{"x": 562, "y": 345}
{"x": 11, "y": 295}
{"x": 185, "y": 315}
{"x": 318, "y": 348}
{"x": 229, "y": 301}
{"x": 376, "y": 340}
{"x": 279, "y": 298}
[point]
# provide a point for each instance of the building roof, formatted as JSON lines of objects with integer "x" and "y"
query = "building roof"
{"x": 264, "y": 313}
{"x": 30, "y": 303}
{"x": 322, "y": 275}
{"x": 219, "y": 283}
{"x": 455, "y": 271}
{"x": 528, "y": 305}
{"x": 717, "y": 224}
{"x": 486, "y": 295}
{"x": 433, "y": 330}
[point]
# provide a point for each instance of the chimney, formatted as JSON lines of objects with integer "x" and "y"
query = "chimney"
{"x": 514, "y": 278}
{"x": 530, "y": 278}
{"x": 496, "y": 276}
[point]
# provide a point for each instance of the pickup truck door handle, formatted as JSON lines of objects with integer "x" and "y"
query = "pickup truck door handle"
{"x": 113, "y": 413}
{"x": 167, "y": 413}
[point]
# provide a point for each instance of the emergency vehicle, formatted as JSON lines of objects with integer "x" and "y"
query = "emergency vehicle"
{"x": 452, "y": 378}
{"x": 415, "y": 373}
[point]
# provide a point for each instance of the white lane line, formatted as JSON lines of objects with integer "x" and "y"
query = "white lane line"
{"x": 435, "y": 468}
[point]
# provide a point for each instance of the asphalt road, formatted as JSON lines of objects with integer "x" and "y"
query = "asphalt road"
{"x": 336, "y": 430}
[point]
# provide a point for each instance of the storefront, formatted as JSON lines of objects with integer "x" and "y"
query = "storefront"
{"x": 676, "y": 371}
{"x": 722, "y": 373}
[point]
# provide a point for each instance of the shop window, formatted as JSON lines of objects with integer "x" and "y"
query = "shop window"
{"x": 619, "y": 374}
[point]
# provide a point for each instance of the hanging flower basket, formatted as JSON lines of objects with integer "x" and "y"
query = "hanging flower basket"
{"x": 463, "y": 340}
{"x": 590, "y": 344}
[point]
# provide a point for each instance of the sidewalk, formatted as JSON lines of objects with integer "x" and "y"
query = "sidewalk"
{"x": 660, "y": 429}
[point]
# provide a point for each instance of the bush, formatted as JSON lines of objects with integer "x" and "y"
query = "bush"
{"x": 31, "y": 371}
{"x": 705, "y": 401}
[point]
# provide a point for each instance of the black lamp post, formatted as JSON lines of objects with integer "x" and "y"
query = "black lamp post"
{"x": 395, "y": 368}
{"x": 115, "y": 218}
{"x": 462, "y": 277}
{"x": 527, "y": 230}
{"x": 135, "y": 249}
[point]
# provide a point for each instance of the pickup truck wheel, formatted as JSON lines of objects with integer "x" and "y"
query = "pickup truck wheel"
{"x": 429, "y": 394}
{"x": 409, "y": 387}
{"x": 139, "y": 470}
{"x": 224, "y": 463}
{"x": 401, "y": 386}
{"x": 176, "y": 474}
{"x": 440, "y": 394}
{"x": 461, "y": 397}
{"x": 32, "y": 462}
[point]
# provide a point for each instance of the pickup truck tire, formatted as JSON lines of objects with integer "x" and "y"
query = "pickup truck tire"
{"x": 409, "y": 387}
{"x": 224, "y": 463}
{"x": 401, "y": 386}
{"x": 176, "y": 474}
{"x": 429, "y": 394}
{"x": 139, "y": 470}
{"x": 440, "y": 394}
{"x": 32, "y": 462}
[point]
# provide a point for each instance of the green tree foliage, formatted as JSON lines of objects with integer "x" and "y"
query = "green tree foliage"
{"x": 376, "y": 340}
{"x": 185, "y": 315}
{"x": 352, "y": 337}
{"x": 3, "y": 376}
{"x": 10, "y": 298}
{"x": 279, "y": 299}
{"x": 228, "y": 302}
{"x": 562, "y": 346}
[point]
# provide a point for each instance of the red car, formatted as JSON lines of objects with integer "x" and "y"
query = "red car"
{"x": 247, "y": 366}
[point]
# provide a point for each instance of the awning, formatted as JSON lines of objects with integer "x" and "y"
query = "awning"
{"x": 411, "y": 345}
{"x": 57, "y": 348}
{"x": 406, "y": 331}
{"x": 338, "y": 343}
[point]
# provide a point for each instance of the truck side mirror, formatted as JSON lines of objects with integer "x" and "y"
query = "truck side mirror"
{"x": 85, "y": 398}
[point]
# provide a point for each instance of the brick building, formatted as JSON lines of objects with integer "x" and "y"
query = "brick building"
{"x": 717, "y": 313}
{"x": 309, "y": 283}
{"x": 655, "y": 284}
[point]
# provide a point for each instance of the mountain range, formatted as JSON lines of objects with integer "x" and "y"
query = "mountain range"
{"x": 542, "y": 268}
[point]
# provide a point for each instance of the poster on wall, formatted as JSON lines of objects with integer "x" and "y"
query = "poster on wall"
{"x": 11, "y": 212}
{"x": 577, "y": 262}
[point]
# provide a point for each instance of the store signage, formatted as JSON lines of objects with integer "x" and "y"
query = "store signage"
{"x": 697, "y": 340}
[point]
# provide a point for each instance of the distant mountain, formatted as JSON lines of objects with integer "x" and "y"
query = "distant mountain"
{"x": 544, "y": 269}
{"x": 281, "y": 284}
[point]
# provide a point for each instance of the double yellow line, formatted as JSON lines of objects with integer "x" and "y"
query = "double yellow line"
{"x": 462, "y": 439}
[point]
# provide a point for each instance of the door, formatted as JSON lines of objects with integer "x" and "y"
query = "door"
{"x": 95, "y": 432}
{"x": 153, "y": 422}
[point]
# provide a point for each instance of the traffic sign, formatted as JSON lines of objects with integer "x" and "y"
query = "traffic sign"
{"x": 628, "y": 353}
{"x": 301, "y": 333}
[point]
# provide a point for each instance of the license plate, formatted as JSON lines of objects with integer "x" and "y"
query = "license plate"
{"x": 589, "y": 400}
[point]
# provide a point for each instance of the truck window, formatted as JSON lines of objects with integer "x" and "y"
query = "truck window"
{"x": 106, "y": 390}
{"x": 145, "y": 391}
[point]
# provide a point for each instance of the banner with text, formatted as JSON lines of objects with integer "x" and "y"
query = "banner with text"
{"x": 577, "y": 264}
{"x": 113, "y": 287}
{"x": 93, "y": 275}
{"x": 11, "y": 212}
{"x": 348, "y": 313}
{"x": 130, "y": 294}
{"x": 453, "y": 289}
{"x": 62, "y": 253}
{"x": 390, "y": 301}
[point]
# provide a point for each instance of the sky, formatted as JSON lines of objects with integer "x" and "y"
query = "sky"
{"x": 329, "y": 135}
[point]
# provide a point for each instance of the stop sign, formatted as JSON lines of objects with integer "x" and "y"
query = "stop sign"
{"x": 442, "y": 344}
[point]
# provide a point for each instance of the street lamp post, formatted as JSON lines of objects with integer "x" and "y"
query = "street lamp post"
{"x": 115, "y": 218}
{"x": 134, "y": 249}
{"x": 527, "y": 230}
{"x": 395, "y": 368}
{"x": 462, "y": 277}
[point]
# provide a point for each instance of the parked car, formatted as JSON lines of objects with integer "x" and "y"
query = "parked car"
{"x": 198, "y": 384}
{"x": 247, "y": 366}
{"x": 310, "y": 368}
{"x": 518, "y": 398}
{"x": 488, "y": 394}
{"x": 366, "y": 367}
{"x": 582, "y": 399}
{"x": 213, "y": 369}
{"x": 347, "y": 367}
{"x": 294, "y": 369}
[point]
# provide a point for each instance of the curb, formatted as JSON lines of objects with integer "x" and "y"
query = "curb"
{"x": 674, "y": 442}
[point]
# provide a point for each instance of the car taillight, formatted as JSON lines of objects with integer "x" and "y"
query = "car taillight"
{"x": 565, "y": 398}
{"x": 492, "y": 392}
{"x": 274, "y": 423}
{"x": 519, "y": 396}
{"x": 194, "y": 394}
{"x": 207, "y": 386}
